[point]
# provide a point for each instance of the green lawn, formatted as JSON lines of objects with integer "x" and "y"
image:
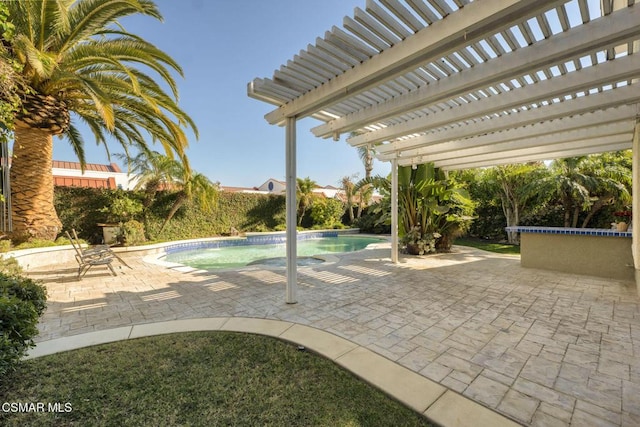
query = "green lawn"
{"x": 486, "y": 245}
{"x": 197, "y": 379}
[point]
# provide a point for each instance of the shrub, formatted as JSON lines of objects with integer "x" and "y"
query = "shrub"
{"x": 122, "y": 207}
{"x": 326, "y": 213}
{"x": 10, "y": 266}
{"x": 133, "y": 233}
{"x": 22, "y": 302}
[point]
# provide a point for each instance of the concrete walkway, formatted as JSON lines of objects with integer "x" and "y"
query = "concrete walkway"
{"x": 538, "y": 347}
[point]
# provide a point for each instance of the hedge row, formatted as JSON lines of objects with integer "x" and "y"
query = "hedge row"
{"x": 82, "y": 209}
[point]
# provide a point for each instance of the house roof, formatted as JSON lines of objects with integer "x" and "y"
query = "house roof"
{"x": 75, "y": 181}
{"x": 112, "y": 167}
{"x": 466, "y": 83}
{"x": 237, "y": 189}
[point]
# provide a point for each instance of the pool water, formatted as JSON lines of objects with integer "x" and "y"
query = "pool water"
{"x": 240, "y": 256}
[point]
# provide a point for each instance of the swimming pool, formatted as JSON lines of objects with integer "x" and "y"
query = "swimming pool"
{"x": 274, "y": 254}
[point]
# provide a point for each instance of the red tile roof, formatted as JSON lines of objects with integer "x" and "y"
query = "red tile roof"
{"x": 75, "y": 181}
{"x": 89, "y": 166}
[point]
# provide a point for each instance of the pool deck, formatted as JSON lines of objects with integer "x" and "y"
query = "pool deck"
{"x": 467, "y": 338}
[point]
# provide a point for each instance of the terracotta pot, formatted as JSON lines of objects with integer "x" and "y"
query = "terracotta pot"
{"x": 622, "y": 226}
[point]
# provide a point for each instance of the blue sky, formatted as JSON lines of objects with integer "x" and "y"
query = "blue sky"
{"x": 221, "y": 46}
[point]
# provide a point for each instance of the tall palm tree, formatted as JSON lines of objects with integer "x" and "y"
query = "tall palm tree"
{"x": 77, "y": 58}
{"x": 347, "y": 185}
{"x": 366, "y": 154}
{"x": 304, "y": 194}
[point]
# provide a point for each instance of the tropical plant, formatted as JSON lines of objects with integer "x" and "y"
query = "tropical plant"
{"x": 76, "y": 57}
{"x": 518, "y": 189}
{"x": 190, "y": 185}
{"x": 153, "y": 172}
{"x": 586, "y": 184}
{"x": 347, "y": 185}
{"x": 431, "y": 206}
{"x": 377, "y": 217}
{"x": 365, "y": 192}
{"x": 304, "y": 194}
{"x": 613, "y": 173}
{"x": 419, "y": 243}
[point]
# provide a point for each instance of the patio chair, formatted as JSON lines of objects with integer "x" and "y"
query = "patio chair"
{"x": 87, "y": 260}
{"x": 98, "y": 250}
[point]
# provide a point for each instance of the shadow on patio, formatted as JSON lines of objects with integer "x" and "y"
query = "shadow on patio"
{"x": 538, "y": 346}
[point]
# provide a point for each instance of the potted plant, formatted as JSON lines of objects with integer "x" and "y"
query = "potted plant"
{"x": 623, "y": 219}
{"x": 417, "y": 243}
{"x": 121, "y": 209}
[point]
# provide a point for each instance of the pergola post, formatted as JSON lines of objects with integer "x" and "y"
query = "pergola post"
{"x": 394, "y": 210}
{"x": 291, "y": 208}
{"x": 635, "y": 220}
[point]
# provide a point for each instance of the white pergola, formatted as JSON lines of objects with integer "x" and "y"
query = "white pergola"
{"x": 466, "y": 84}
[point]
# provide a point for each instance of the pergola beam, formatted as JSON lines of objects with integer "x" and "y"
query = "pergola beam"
{"x": 512, "y": 152}
{"x": 578, "y": 151}
{"x": 614, "y": 133}
{"x": 472, "y": 23}
{"x": 572, "y": 83}
{"x": 562, "y": 130}
{"x": 599, "y": 34}
{"x": 599, "y": 101}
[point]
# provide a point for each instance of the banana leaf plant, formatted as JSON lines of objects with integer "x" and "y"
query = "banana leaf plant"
{"x": 432, "y": 208}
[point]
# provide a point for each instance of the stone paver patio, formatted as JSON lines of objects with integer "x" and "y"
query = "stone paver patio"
{"x": 543, "y": 348}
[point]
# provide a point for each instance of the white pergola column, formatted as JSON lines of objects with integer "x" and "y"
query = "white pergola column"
{"x": 291, "y": 208}
{"x": 394, "y": 210}
{"x": 635, "y": 220}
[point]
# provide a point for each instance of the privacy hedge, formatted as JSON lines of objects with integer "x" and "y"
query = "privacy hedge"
{"x": 22, "y": 301}
{"x": 80, "y": 208}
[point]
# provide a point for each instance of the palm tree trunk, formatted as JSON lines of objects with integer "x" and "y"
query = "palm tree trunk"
{"x": 180, "y": 200}
{"x": 33, "y": 212}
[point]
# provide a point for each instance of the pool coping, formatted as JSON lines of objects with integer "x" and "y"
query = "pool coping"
{"x": 434, "y": 401}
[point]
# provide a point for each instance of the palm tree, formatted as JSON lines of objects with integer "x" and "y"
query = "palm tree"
{"x": 517, "y": 186}
{"x": 75, "y": 57}
{"x": 588, "y": 183}
{"x": 153, "y": 172}
{"x": 348, "y": 185}
{"x": 304, "y": 194}
{"x": 191, "y": 186}
{"x": 366, "y": 154}
{"x": 613, "y": 172}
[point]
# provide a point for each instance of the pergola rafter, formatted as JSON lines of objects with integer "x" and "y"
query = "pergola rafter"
{"x": 566, "y": 46}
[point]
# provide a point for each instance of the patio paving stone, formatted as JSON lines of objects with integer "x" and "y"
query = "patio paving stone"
{"x": 540, "y": 347}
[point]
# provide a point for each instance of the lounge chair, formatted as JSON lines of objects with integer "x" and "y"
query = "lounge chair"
{"x": 88, "y": 260}
{"x": 98, "y": 250}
